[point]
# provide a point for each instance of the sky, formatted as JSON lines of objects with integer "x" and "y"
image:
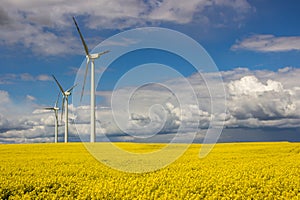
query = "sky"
{"x": 254, "y": 44}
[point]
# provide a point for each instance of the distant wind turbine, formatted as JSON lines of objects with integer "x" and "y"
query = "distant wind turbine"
{"x": 90, "y": 59}
{"x": 55, "y": 109}
{"x": 65, "y": 103}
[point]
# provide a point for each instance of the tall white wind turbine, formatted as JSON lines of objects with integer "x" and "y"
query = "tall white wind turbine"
{"x": 90, "y": 59}
{"x": 65, "y": 103}
{"x": 55, "y": 109}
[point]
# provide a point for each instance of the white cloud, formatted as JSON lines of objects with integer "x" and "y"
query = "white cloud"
{"x": 258, "y": 98}
{"x": 4, "y": 97}
{"x": 13, "y": 78}
{"x": 44, "y": 77}
{"x": 30, "y": 98}
{"x": 251, "y": 99}
{"x": 176, "y": 10}
{"x": 255, "y": 99}
{"x": 19, "y": 122}
{"x": 250, "y": 85}
{"x": 46, "y": 27}
{"x": 240, "y": 6}
{"x": 268, "y": 43}
{"x": 26, "y": 77}
{"x": 183, "y": 12}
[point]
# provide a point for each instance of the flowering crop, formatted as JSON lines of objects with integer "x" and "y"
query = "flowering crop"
{"x": 230, "y": 171}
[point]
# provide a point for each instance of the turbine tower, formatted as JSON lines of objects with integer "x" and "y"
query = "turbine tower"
{"x": 90, "y": 59}
{"x": 55, "y": 109}
{"x": 65, "y": 103}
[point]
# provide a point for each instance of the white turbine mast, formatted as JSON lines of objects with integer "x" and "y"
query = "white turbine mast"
{"x": 55, "y": 109}
{"x": 65, "y": 103}
{"x": 90, "y": 58}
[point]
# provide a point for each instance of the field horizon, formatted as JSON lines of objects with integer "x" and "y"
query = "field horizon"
{"x": 163, "y": 143}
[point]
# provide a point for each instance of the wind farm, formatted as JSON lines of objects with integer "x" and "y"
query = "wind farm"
{"x": 65, "y": 105}
{"x": 160, "y": 99}
{"x": 90, "y": 61}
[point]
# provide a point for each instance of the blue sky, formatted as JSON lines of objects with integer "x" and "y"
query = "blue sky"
{"x": 244, "y": 38}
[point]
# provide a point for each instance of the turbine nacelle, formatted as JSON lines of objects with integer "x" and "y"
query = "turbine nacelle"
{"x": 95, "y": 55}
{"x": 52, "y": 108}
{"x": 55, "y": 108}
{"x": 66, "y": 94}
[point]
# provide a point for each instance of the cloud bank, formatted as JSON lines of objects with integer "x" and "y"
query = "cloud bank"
{"x": 256, "y": 100}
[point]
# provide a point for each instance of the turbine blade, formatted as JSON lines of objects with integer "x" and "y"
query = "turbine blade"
{"x": 71, "y": 88}
{"x": 104, "y": 52}
{"x": 49, "y": 108}
{"x": 84, "y": 80}
{"x": 57, "y": 100}
{"x": 81, "y": 37}
{"x": 56, "y": 116}
{"x": 61, "y": 89}
{"x": 62, "y": 108}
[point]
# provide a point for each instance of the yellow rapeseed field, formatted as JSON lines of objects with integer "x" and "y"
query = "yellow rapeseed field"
{"x": 230, "y": 171}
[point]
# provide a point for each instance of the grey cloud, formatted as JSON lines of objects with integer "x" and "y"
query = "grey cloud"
{"x": 252, "y": 103}
{"x": 161, "y": 120}
{"x": 46, "y": 28}
{"x": 4, "y": 18}
{"x": 18, "y": 124}
{"x": 256, "y": 99}
{"x": 184, "y": 12}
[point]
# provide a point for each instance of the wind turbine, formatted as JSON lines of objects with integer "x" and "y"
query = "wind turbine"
{"x": 66, "y": 95}
{"x": 55, "y": 109}
{"x": 90, "y": 58}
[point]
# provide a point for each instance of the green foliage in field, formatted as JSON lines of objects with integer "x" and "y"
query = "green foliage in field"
{"x": 230, "y": 171}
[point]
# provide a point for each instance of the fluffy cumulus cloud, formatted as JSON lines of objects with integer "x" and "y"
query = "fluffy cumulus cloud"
{"x": 263, "y": 98}
{"x": 46, "y": 27}
{"x": 255, "y": 99}
{"x": 253, "y": 103}
{"x": 268, "y": 43}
